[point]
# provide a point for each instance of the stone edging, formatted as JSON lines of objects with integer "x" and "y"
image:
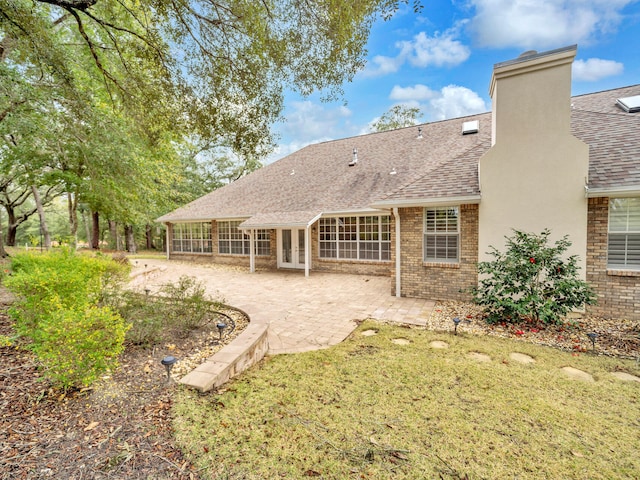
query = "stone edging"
{"x": 245, "y": 350}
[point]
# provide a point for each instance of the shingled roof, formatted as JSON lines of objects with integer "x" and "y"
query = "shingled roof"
{"x": 399, "y": 168}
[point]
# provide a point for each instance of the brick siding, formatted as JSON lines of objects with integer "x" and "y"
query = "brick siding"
{"x": 618, "y": 292}
{"x": 437, "y": 281}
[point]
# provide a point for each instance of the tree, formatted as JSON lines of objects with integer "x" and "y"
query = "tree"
{"x": 398, "y": 116}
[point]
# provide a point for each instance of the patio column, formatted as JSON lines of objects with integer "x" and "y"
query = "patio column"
{"x": 168, "y": 237}
{"x": 252, "y": 251}
{"x": 307, "y": 247}
{"x": 396, "y": 215}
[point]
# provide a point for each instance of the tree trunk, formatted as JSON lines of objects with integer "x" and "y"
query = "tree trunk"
{"x": 95, "y": 237}
{"x": 114, "y": 239}
{"x": 3, "y": 252}
{"x": 12, "y": 227}
{"x": 72, "y": 203}
{"x": 43, "y": 221}
{"x": 149, "y": 234}
{"x": 130, "y": 239}
{"x": 87, "y": 226}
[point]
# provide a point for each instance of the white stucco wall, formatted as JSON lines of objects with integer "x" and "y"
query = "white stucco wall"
{"x": 534, "y": 175}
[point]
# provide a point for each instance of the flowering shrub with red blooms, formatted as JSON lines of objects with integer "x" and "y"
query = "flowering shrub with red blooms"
{"x": 531, "y": 280}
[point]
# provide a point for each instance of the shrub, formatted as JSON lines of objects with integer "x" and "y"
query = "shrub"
{"x": 56, "y": 307}
{"x": 531, "y": 280}
{"x": 76, "y": 346}
{"x": 188, "y": 304}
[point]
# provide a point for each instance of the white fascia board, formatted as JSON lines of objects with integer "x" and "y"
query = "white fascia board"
{"x": 629, "y": 191}
{"x": 427, "y": 202}
{"x": 359, "y": 211}
{"x": 198, "y": 220}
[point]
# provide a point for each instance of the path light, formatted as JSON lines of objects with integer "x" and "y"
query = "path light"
{"x": 221, "y": 326}
{"x": 168, "y": 363}
{"x": 593, "y": 336}
{"x": 456, "y": 322}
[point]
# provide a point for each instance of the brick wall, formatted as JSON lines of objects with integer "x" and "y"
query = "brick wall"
{"x": 437, "y": 281}
{"x": 618, "y": 291}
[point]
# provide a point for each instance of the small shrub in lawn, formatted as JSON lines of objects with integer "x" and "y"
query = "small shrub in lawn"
{"x": 531, "y": 280}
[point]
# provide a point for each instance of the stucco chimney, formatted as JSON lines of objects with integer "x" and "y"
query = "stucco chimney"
{"x": 531, "y": 95}
{"x": 533, "y": 176}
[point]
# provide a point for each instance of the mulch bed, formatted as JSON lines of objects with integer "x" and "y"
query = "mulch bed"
{"x": 121, "y": 427}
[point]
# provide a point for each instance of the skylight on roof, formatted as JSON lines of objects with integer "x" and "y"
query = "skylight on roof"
{"x": 470, "y": 127}
{"x": 630, "y": 104}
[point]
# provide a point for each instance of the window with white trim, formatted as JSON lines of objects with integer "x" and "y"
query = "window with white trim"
{"x": 191, "y": 237}
{"x": 624, "y": 233}
{"x": 233, "y": 241}
{"x": 355, "y": 238}
{"x": 441, "y": 234}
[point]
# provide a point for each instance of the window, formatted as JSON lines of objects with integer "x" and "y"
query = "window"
{"x": 441, "y": 234}
{"x": 191, "y": 237}
{"x": 233, "y": 241}
{"x": 356, "y": 238}
{"x": 624, "y": 233}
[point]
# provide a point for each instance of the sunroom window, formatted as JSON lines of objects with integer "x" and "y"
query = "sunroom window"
{"x": 624, "y": 233}
{"x": 356, "y": 238}
{"x": 192, "y": 237}
{"x": 233, "y": 241}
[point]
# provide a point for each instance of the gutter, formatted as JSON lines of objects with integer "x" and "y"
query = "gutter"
{"x": 629, "y": 191}
{"x": 427, "y": 202}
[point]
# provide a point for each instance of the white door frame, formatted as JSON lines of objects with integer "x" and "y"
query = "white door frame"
{"x": 298, "y": 259}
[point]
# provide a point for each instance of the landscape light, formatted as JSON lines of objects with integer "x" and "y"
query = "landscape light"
{"x": 456, "y": 322}
{"x": 168, "y": 363}
{"x": 221, "y": 326}
{"x": 593, "y": 336}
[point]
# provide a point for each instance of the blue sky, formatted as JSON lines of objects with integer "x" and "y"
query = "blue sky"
{"x": 441, "y": 60}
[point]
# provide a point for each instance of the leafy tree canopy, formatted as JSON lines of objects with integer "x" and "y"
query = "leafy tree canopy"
{"x": 398, "y": 116}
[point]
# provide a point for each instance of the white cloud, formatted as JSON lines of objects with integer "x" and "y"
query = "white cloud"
{"x": 543, "y": 23}
{"x": 594, "y": 69}
{"x": 450, "y": 102}
{"x": 441, "y": 50}
{"x": 417, "y": 93}
{"x": 455, "y": 101}
{"x": 307, "y": 123}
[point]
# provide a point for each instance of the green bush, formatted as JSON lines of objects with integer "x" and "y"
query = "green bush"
{"x": 76, "y": 346}
{"x": 146, "y": 315}
{"x": 188, "y": 306}
{"x": 531, "y": 281}
{"x": 56, "y": 307}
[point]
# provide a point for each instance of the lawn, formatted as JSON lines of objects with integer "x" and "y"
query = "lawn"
{"x": 375, "y": 408}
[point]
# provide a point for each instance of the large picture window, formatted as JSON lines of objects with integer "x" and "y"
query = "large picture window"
{"x": 356, "y": 238}
{"x": 191, "y": 237}
{"x": 624, "y": 233}
{"x": 232, "y": 241}
{"x": 441, "y": 234}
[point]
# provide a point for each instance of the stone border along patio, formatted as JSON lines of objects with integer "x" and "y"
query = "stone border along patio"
{"x": 319, "y": 304}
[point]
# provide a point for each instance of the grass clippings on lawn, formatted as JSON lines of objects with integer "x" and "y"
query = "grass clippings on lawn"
{"x": 374, "y": 408}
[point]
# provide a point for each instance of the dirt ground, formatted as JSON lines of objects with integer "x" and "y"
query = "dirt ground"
{"x": 120, "y": 428}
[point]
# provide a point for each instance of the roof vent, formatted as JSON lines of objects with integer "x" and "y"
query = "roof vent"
{"x": 419, "y": 132}
{"x": 354, "y": 161}
{"x": 630, "y": 104}
{"x": 470, "y": 127}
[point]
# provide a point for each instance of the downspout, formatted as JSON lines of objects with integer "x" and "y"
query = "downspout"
{"x": 396, "y": 215}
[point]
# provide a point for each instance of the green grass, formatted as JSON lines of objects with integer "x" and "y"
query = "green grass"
{"x": 369, "y": 408}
